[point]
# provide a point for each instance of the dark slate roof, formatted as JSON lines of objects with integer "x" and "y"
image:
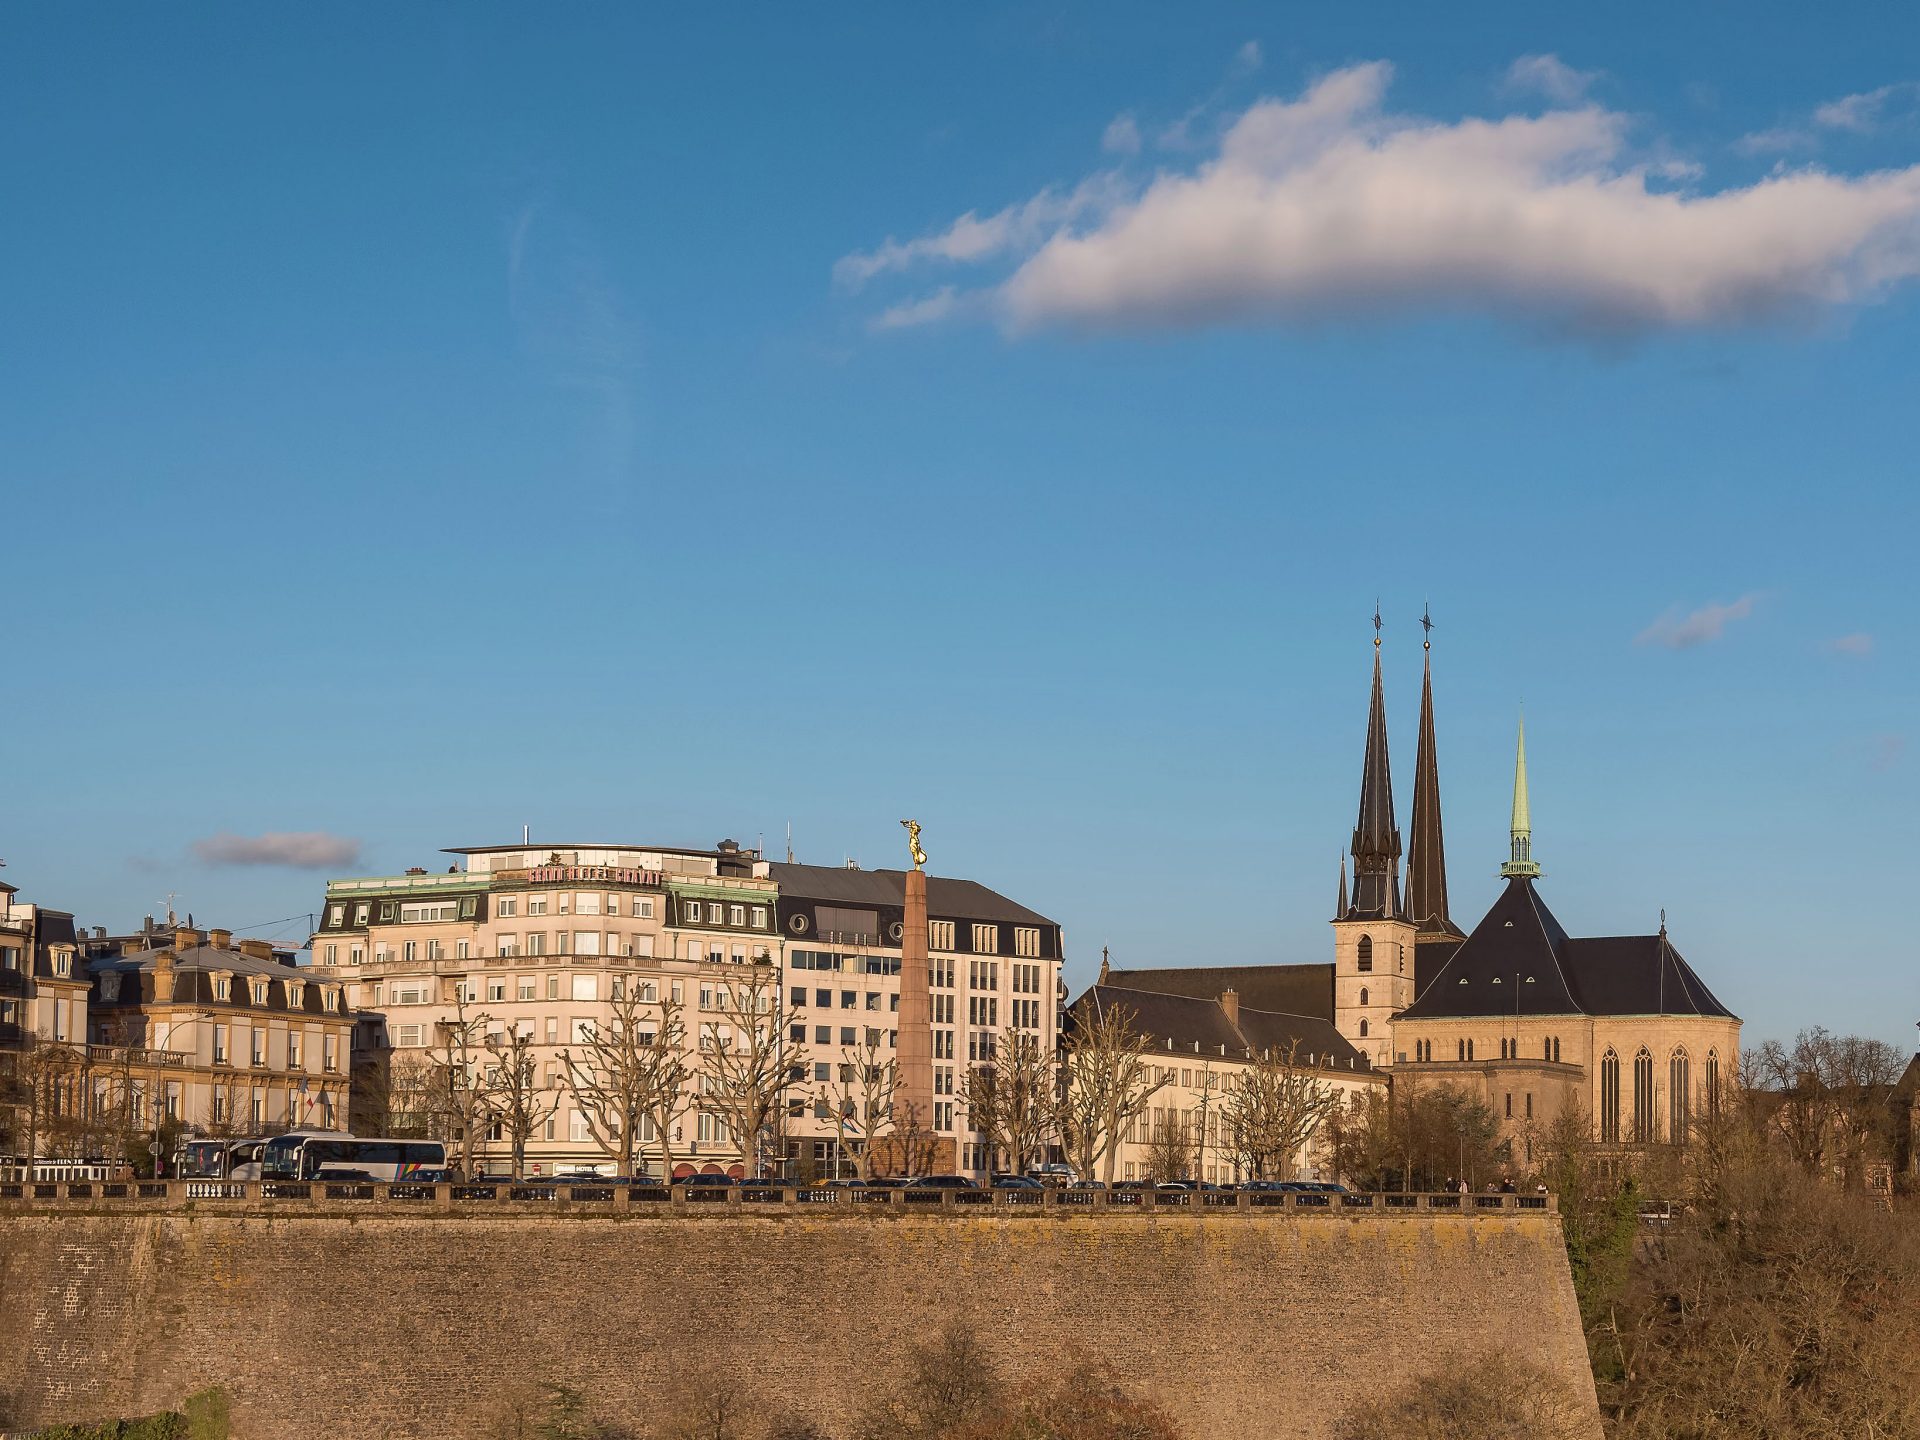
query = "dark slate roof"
{"x": 208, "y": 957}
{"x": 1179, "y": 1023}
{"x": 1519, "y": 960}
{"x": 1283, "y": 989}
{"x": 946, "y": 899}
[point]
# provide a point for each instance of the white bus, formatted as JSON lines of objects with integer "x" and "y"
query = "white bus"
{"x": 322, "y": 1157}
{"x": 218, "y": 1159}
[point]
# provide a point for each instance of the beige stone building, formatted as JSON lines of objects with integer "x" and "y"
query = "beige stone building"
{"x": 43, "y": 1002}
{"x": 532, "y": 940}
{"x": 1199, "y": 1048}
{"x": 222, "y": 1036}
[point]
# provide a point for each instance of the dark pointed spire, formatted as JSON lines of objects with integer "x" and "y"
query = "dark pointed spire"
{"x": 1376, "y": 838}
{"x": 1427, "y": 855}
{"x": 1340, "y": 909}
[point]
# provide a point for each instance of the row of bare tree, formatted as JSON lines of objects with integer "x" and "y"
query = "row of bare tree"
{"x": 635, "y": 1080}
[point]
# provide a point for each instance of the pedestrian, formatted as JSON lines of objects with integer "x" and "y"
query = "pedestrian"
{"x": 1506, "y": 1185}
{"x": 1463, "y": 1187}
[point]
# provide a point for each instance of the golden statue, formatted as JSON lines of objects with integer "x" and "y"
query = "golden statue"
{"x": 913, "y": 843}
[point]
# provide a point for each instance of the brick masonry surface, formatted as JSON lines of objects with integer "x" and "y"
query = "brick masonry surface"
{"x": 420, "y": 1325}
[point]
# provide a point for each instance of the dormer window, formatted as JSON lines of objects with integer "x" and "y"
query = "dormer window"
{"x": 332, "y": 993}
{"x": 260, "y": 992}
{"x": 223, "y": 987}
{"x": 63, "y": 965}
{"x": 296, "y": 994}
{"x": 110, "y": 986}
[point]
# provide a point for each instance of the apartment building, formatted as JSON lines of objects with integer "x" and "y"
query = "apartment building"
{"x": 43, "y": 998}
{"x": 223, "y": 1036}
{"x": 995, "y": 970}
{"x": 536, "y": 941}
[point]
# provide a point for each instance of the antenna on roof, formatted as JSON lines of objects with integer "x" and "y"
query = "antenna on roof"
{"x": 526, "y": 834}
{"x": 789, "y": 842}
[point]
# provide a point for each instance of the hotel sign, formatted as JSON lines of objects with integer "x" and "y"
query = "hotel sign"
{"x": 608, "y": 874}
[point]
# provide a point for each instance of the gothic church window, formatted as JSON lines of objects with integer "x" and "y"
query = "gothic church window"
{"x": 1679, "y": 1088}
{"x": 1713, "y": 1082}
{"x": 1366, "y": 954}
{"x": 1363, "y": 1029}
{"x": 1643, "y": 1097}
{"x": 1363, "y": 994}
{"x": 1610, "y": 1097}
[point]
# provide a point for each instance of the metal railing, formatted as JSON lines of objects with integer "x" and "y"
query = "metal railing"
{"x": 604, "y": 1197}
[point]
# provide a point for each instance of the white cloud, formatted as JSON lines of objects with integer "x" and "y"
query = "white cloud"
{"x": 1679, "y": 631}
{"x": 1858, "y": 643}
{"x": 1550, "y": 76}
{"x": 927, "y": 310}
{"x": 971, "y": 238}
{"x": 1329, "y": 205}
{"x": 301, "y": 850}
{"x": 1122, "y": 136}
{"x": 1859, "y": 114}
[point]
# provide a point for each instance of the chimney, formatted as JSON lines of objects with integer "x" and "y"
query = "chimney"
{"x": 220, "y": 939}
{"x": 132, "y": 947}
{"x": 185, "y": 938}
{"x": 1230, "y": 1003}
{"x": 256, "y": 949}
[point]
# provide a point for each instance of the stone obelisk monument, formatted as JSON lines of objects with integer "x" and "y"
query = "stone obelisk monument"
{"x": 914, "y": 1141}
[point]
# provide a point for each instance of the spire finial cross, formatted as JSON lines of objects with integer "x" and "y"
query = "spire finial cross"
{"x": 1376, "y": 623}
{"x": 1426, "y": 624}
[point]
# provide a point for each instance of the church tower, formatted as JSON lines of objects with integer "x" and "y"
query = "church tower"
{"x": 1427, "y": 859}
{"x": 1373, "y": 938}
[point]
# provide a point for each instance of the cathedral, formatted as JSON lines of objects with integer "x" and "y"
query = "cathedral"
{"x": 1531, "y": 1020}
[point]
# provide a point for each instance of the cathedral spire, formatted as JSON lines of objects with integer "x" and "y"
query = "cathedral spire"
{"x": 1340, "y": 909}
{"x": 1427, "y": 862}
{"x": 1376, "y": 839}
{"x": 1522, "y": 863}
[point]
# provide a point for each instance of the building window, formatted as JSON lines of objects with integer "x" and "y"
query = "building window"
{"x": 1363, "y": 1029}
{"x": 1026, "y": 941}
{"x": 1643, "y": 1124}
{"x": 1363, "y": 995}
{"x": 1610, "y": 1097}
{"x": 1713, "y": 1083}
{"x": 1365, "y": 953}
{"x": 506, "y": 907}
{"x": 986, "y": 939}
{"x": 940, "y": 934}
{"x": 1679, "y": 1096}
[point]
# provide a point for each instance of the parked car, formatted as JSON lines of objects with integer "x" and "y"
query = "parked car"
{"x": 1054, "y": 1174}
{"x": 1133, "y": 1184}
{"x": 1088, "y": 1185}
{"x": 852, "y": 1184}
{"x": 887, "y": 1182}
{"x": 942, "y": 1182}
{"x": 702, "y": 1182}
{"x": 1014, "y": 1182}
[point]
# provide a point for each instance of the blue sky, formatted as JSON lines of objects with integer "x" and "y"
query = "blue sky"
{"x": 421, "y": 425}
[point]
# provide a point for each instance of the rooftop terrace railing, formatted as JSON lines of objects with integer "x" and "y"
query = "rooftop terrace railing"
{"x": 622, "y": 1198}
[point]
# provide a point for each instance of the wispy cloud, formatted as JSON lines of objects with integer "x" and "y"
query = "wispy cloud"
{"x": 1550, "y": 76}
{"x": 1859, "y": 114}
{"x": 973, "y": 238}
{"x": 927, "y": 310}
{"x": 1682, "y": 630}
{"x": 1183, "y": 134}
{"x": 297, "y": 849}
{"x": 1122, "y": 136}
{"x": 1858, "y": 643}
{"x": 1329, "y": 205}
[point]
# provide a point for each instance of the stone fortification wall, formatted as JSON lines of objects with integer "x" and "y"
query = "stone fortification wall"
{"x": 379, "y": 1324}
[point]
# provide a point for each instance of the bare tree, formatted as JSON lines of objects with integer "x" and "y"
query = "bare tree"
{"x": 745, "y": 1069}
{"x": 629, "y": 1075}
{"x": 1013, "y": 1098}
{"x": 1831, "y": 1097}
{"x": 516, "y": 1101}
{"x": 459, "y": 1100}
{"x": 1169, "y": 1152}
{"x": 859, "y": 1098}
{"x": 1105, "y": 1085}
{"x": 1278, "y": 1105}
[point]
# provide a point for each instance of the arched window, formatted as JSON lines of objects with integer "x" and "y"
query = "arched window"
{"x": 1713, "y": 1083}
{"x": 1643, "y": 1096}
{"x": 1679, "y": 1096}
{"x": 1610, "y": 1097}
{"x": 1556, "y": 1049}
{"x": 1366, "y": 954}
{"x": 1363, "y": 1029}
{"x": 1469, "y": 1049}
{"x": 1463, "y": 1049}
{"x": 1363, "y": 994}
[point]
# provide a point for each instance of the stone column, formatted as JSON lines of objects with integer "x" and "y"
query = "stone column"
{"x": 913, "y": 1085}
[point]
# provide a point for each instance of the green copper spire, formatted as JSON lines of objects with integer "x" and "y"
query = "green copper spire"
{"x": 1522, "y": 862}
